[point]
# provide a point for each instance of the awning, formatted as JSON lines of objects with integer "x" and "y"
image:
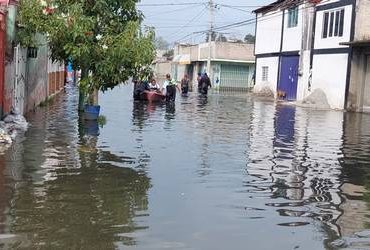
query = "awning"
{"x": 362, "y": 43}
{"x": 182, "y": 59}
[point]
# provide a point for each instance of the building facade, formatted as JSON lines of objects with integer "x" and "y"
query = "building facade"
{"x": 27, "y": 75}
{"x": 232, "y": 64}
{"x": 302, "y": 46}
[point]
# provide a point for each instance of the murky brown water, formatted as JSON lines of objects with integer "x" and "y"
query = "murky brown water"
{"x": 229, "y": 172}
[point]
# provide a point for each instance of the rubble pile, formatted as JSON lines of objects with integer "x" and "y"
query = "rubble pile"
{"x": 12, "y": 124}
{"x": 316, "y": 100}
{"x": 265, "y": 92}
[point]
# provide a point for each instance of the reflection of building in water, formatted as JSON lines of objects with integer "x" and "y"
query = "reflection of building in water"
{"x": 300, "y": 164}
{"x": 356, "y": 173}
{"x": 68, "y": 193}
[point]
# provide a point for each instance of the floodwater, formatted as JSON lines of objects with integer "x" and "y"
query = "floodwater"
{"x": 227, "y": 172}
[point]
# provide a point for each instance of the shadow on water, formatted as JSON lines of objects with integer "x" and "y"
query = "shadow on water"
{"x": 66, "y": 193}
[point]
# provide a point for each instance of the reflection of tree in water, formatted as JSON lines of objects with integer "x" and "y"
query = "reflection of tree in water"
{"x": 92, "y": 205}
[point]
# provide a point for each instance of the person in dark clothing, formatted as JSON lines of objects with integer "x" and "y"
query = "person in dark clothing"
{"x": 185, "y": 82}
{"x": 139, "y": 88}
{"x": 205, "y": 83}
{"x": 199, "y": 78}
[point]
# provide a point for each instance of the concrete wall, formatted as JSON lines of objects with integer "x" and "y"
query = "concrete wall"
{"x": 272, "y": 63}
{"x": 234, "y": 51}
{"x": 219, "y": 51}
{"x": 268, "y": 34}
{"x": 40, "y": 80}
{"x": 37, "y": 78}
{"x": 161, "y": 69}
{"x": 329, "y": 73}
{"x": 362, "y": 31}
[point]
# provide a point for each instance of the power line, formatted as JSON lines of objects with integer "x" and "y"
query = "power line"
{"x": 168, "y": 4}
{"x": 196, "y": 17}
{"x": 248, "y": 21}
{"x": 171, "y": 11}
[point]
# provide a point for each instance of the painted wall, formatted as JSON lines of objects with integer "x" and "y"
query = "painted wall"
{"x": 268, "y": 32}
{"x": 37, "y": 77}
{"x": 273, "y": 64}
{"x": 292, "y": 38}
{"x": 329, "y": 74}
{"x": 333, "y": 42}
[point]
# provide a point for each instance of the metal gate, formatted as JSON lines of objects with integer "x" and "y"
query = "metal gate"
{"x": 20, "y": 59}
{"x": 234, "y": 77}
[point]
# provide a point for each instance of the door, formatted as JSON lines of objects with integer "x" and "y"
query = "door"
{"x": 234, "y": 77}
{"x": 288, "y": 81}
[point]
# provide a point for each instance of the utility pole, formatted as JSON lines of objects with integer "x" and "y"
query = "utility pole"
{"x": 210, "y": 32}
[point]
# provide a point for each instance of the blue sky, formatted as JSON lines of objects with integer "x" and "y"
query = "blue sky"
{"x": 174, "y": 23}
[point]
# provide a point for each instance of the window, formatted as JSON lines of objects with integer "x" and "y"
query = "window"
{"x": 293, "y": 17}
{"x": 333, "y": 24}
{"x": 265, "y": 73}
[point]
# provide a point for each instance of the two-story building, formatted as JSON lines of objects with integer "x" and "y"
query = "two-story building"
{"x": 232, "y": 64}
{"x": 306, "y": 45}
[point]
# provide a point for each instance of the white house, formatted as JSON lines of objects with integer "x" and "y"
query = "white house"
{"x": 306, "y": 45}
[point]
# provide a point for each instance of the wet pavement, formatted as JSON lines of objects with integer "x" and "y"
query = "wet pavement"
{"x": 227, "y": 172}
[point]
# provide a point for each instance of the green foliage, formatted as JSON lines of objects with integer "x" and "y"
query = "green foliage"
{"x": 161, "y": 43}
{"x": 103, "y": 38}
{"x": 249, "y": 38}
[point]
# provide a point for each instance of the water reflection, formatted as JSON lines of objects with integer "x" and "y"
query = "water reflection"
{"x": 72, "y": 194}
{"x": 224, "y": 172}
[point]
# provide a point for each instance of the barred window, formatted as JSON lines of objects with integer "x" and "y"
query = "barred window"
{"x": 333, "y": 24}
{"x": 293, "y": 17}
{"x": 265, "y": 73}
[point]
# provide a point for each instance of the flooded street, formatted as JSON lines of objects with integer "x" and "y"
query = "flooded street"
{"x": 227, "y": 172}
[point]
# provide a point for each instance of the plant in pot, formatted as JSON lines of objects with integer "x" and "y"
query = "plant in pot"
{"x": 89, "y": 91}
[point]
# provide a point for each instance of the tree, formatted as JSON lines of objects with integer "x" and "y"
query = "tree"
{"x": 249, "y": 38}
{"x": 221, "y": 38}
{"x": 102, "y": 38}
{"x": 161, "y": 43}
{"x": 213, "y": 36}
{"x": 169, "y": 54}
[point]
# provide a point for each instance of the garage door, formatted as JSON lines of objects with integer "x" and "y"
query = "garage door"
{"x": 235, "y": 77}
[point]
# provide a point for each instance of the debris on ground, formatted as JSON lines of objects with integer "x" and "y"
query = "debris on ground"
{"x": 316, "y": 100}
{"x": 360, "y": 240}
{"x": 12, "y": 124}
{"x": 265, "y": 92}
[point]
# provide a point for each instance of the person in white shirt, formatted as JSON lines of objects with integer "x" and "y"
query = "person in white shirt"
{"x": 169, "y": 88}
{"x": 153, "y": 85}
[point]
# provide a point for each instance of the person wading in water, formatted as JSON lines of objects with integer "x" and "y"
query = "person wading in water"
{"x": 199, "y": 78}
{"x": 185, "y": 85}
{"x": 205, "y": 83}
{"x": 169, "y": 88}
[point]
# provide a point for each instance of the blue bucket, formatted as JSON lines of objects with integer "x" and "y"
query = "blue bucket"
{"x": 91, "y": 112}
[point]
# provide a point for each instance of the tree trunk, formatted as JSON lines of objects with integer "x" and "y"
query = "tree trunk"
{"x": 82, "y": 96}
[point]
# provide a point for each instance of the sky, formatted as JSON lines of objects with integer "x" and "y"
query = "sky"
{"x": 176, "y": 23}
